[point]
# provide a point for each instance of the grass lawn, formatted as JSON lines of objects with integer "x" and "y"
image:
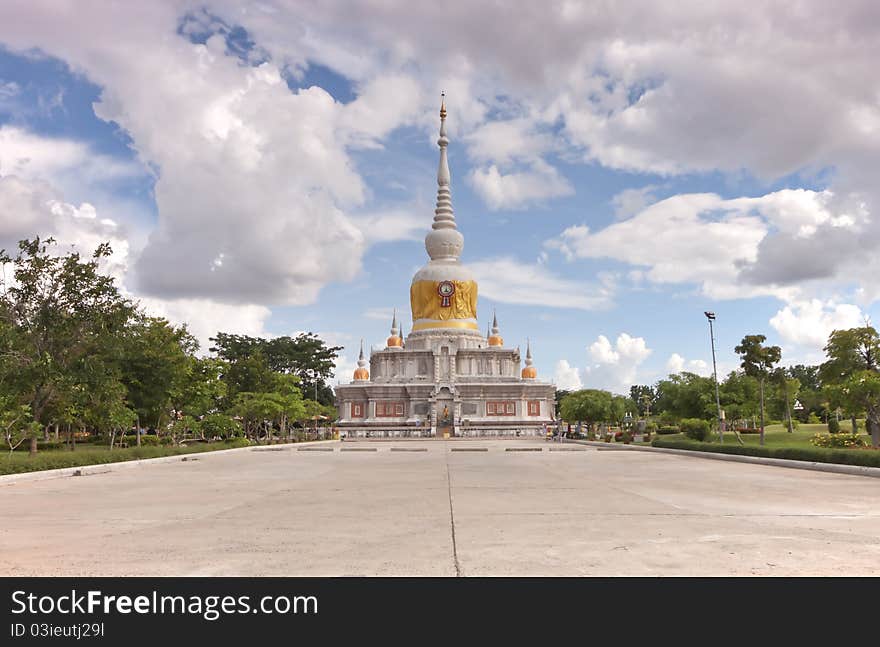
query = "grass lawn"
{"x": 88, "y": 454}
{"x": 778, "y": 443}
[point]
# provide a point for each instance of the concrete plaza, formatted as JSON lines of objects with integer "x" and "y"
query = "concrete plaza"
{"x": 442, "y": 508}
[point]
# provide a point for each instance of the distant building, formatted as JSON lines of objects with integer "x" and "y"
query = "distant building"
{"x": 445, "y": 378}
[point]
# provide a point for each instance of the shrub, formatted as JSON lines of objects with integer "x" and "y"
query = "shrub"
{"x": 837, "y": 440}
{"x": 668, "y": 429}
{"x": 833, "y": 425}
{"x": 865, "y": 457}
{"x": 695, "y": 428}
{"x": 813, "y": 419}
{"x": 626, "y": 437}
{"x": 650, "y": 427}
{"x": 667, "y": 419}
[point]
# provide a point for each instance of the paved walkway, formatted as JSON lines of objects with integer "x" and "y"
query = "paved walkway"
{"x": 441, "y": 508}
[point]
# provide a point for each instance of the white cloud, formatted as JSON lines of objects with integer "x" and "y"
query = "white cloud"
{"x": 504, "y": 142}
{"x": 391, "y": 225}
{"x": 510, "y": 281}
{"x": 809, "y": 323}
{"x": 248, "y": 169}
{"x": 518, "y": 189}
{"x": 630, "y": 201}
{"x": 615, "y": 366}
{"x": 567, "y": 377}
{"x": 676, "y": 364}
{"x": 205, "y": 318}
{"x": 41, "y": 211}
{"x": 719, "y": 244}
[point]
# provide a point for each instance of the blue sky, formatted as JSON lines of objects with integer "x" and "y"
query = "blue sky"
{"x": 268, "y": 171}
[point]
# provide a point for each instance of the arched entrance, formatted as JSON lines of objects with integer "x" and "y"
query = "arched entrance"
{"x": 444, "y": 413}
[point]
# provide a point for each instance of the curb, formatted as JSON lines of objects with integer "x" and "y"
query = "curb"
{"x": 834, "y": 468}
{"x": 103, "y": 468}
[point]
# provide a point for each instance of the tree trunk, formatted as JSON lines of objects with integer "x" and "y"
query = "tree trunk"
{"x": 872, "y": 422}
{"x": 33, "y": 445}
{"x": 46, "y": 433}
{"x": 762, "y": 410}
{"x": 788, "y": 410}
{"x": 56, "y": 432}
{"x": 855, "y": 424}
{"x": 138, "y": 431}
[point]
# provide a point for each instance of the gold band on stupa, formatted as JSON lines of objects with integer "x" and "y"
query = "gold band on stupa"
{"x": 426, "y": 303}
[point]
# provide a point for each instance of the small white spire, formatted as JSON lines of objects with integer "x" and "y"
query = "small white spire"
{"x": 444, "y": 217}
{"x": 528, "y": 352}
{"x": 362, "y": 363}
{"x": 395, "y": 331}
{"x": 495, "y": 328}
{"x": 444, "y": 242}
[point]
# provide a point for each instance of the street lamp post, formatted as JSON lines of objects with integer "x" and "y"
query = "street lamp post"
{"x": 711, "y": 317}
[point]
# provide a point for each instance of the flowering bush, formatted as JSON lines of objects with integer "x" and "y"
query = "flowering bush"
{"x": 837, "y": 440}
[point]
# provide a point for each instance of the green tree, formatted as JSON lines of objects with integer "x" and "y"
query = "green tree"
{"x": 758, "y": 361}
{"x": 644, "y": 397}
{"x": 16, "y": 422}
{"x": 592, "y": 406}
{"x": 220, "y": 425}
{"x": 64, "y": 315}
{"x": 739, "y": 394}
{"x": 307, "y": 356}
{"x": 789, "y": 388}
{"x": 851, "y": 374}
{"x": 249, "y": 374}
{"x": 686, "y": 395}
{"x": 155, "y": 364}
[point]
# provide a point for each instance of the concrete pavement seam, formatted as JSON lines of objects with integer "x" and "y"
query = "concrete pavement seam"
{"x": 452, "y": 520}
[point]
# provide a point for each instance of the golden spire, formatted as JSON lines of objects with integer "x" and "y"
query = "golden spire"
{"x": 395, "y": 340}
{"x": 529, "y": 372}
{"x": 495, "y": 339}
{"x": 361, "y": 373}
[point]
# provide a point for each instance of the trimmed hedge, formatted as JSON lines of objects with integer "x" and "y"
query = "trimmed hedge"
{"x": 861, "y": 457}
{"x": 17, "y": 464}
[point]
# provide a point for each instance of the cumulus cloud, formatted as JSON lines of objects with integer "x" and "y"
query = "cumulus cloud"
{"x": 508, "y": 280}
{"x": 615, "y": 366}
{"x": 518, "y": 189}
{"x": 567, "y": 377}
{"x": 504, "y": 142}
{"x": 809, "y": 323}
{"x": 731, "y": 248}
{"x": 247, "y": 168}
{"x": 630, "y": 201}
{"x": 676, "y": 364}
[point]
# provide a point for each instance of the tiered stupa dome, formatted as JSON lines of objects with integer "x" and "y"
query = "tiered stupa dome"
{"x": 443, "y": 294}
